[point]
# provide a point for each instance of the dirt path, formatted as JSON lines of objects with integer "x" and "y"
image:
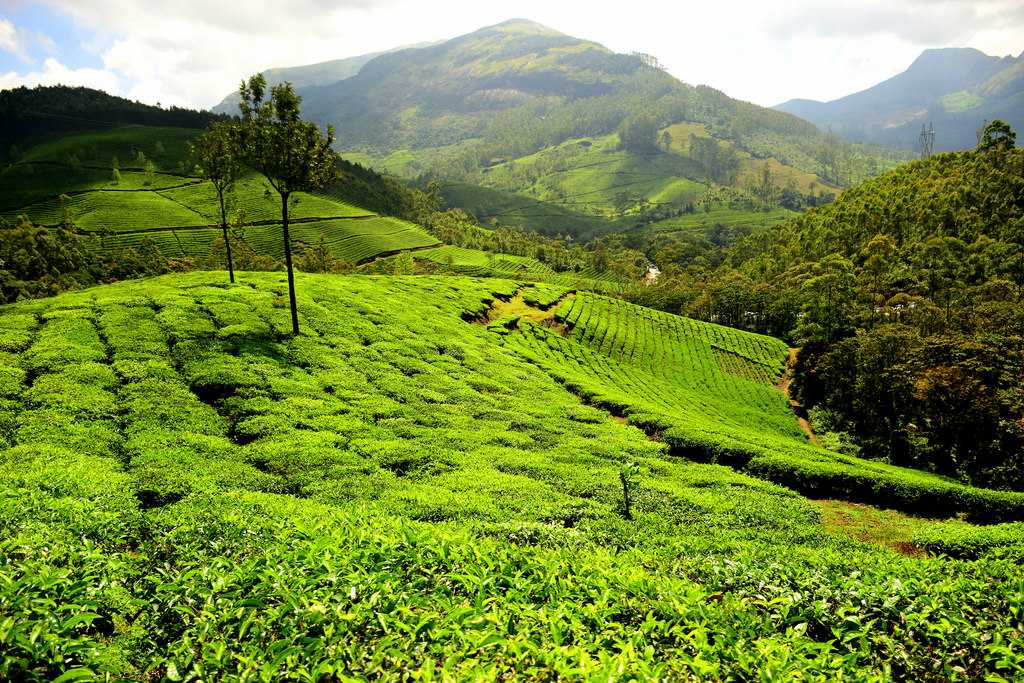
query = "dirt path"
{"x": 798, "y": 410}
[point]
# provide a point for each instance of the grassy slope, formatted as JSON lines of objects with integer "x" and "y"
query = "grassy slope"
{"x": 188, "y": 491}
{"x": 512, "y": 209}
{"x": 586, "y": 175}
{"x": 462, "y": 261}
{"x": 145, "y": 206}
{"x": 701, "y": 221}
{"x": 750, "y": 168}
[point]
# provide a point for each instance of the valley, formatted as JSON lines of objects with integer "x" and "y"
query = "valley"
{"x": 509, "y": 356}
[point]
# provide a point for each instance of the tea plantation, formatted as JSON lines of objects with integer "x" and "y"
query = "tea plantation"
{"x": 154, "y": 197}
{"x": 427, "y": 484}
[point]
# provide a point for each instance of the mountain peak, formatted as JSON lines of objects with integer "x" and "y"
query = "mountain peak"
{"x": 957, "y": 88}
{"x": 947, "y": 56}
{"x": 520, "y": 25}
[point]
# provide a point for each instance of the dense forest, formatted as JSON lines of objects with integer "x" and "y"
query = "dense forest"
{"x": 907, "y": 298}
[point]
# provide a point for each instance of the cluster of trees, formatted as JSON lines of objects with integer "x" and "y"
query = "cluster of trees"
{"x": 639, "y": 134}
{"x": 37, "y": 261}
{"x": 907, "y": 296}
{"x": 720, "y": 161}
{"x": 271, "y": 138}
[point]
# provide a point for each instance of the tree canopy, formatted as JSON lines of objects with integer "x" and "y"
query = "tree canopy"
{"x": 293, "y": 154}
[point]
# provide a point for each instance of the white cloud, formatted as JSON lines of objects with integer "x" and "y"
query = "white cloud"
{"x": 9, "y": 37}
{"x": 194, "y": 51}
{"x": 55, "y": 73}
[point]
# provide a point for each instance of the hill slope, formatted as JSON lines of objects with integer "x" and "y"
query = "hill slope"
{"x": 519, "y": 93}
{"x": 906, "y": 296}
{"x": 957, "y": 89}
{"x": 32, "y": 115}
{"x": 190, "y": 492}
{"x": 155, "y": 198}
{"x": 319, "y": 74}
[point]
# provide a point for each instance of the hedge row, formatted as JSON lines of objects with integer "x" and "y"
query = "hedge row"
{"x": 905, "y": 490}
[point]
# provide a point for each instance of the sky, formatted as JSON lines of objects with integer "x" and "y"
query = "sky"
{"x": 193, "y": 52}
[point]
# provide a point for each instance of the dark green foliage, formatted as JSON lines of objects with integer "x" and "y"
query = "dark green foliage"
{"x": 41, "y": 261}
{"x": 638, "y": 133}
{"x": 719, "y": 159}
{"x": 997, "y": 136}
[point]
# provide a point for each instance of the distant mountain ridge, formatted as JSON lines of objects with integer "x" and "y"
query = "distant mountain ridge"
{"x": 956, "y": 89}
{"x": 445, "y": 92}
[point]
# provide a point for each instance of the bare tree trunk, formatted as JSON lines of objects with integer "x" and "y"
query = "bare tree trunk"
{"x": 227, "y": 242}
{"x": 288, "y": 263}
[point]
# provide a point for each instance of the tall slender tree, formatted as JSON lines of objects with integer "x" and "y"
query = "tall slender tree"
{"x": 294, "y": 155}
{"x": 216, "y": 156}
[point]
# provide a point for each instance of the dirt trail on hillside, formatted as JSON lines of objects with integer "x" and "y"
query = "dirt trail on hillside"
{"x": 798, "y": 410}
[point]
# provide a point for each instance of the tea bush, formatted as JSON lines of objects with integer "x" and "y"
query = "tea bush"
{"x": 398, "y": 493}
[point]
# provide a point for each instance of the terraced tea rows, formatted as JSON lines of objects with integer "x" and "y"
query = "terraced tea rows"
{"x": 708, "y": 392}
{"x": 179, "y": 214}
{"x": 188, "y": 491}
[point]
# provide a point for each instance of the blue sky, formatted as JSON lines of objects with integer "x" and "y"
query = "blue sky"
{"x": 193, "y": 52}
{"x": 47, "y": 32}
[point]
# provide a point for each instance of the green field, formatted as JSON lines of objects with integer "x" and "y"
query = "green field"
{"x": 750, "y": 166}
{"x": 593, "y": 176}
{"x": 422, "y": 487}
{"x": 588, "y": 185}
{"x": 177, "y": 212}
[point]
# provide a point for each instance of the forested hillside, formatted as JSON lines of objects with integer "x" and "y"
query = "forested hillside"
{"x": 907, "y": 296}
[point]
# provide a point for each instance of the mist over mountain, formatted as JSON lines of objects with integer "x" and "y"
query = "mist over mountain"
{"x": 955, "y": 89}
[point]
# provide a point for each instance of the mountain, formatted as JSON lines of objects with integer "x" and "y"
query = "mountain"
{"x": 956, "y": 89}
{"x": 519, "y": 86}
{"x": 321, "y": 73}
{"x": 517, "y": 106}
